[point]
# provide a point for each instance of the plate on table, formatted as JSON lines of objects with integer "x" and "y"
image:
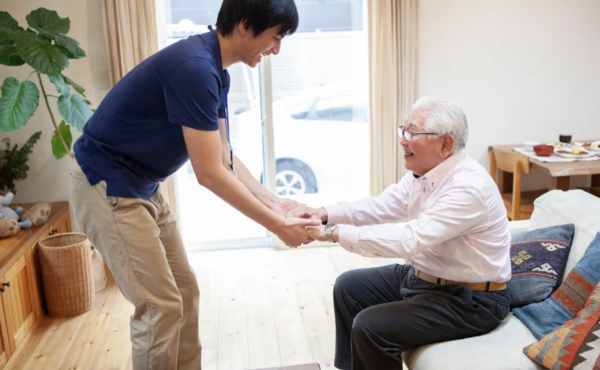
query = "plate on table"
{"x": 588, "y": 146}
{"x": 570, "y": 155}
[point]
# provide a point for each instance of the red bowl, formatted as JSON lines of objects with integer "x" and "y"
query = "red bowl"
{"x": 543, "y": 150}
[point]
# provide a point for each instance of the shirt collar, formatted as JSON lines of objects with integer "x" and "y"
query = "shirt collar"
{"x": 435, "y": 176}
{"x": 214, "y": 48}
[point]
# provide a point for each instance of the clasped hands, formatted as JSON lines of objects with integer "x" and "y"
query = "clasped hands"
{"x": 302, "y": 222}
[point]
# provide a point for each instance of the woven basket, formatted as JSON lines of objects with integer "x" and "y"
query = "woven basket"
{"x": 67, "y": 274}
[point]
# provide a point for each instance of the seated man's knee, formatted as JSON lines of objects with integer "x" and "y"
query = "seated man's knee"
{"x": 345, "y": 281}
{"x": 363, "y": 324}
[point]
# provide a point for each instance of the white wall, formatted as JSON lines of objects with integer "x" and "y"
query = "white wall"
{"x": 521, "y": 69}
{"x": 48, "y": 178}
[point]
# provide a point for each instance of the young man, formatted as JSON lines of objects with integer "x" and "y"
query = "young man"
{"x": 168, "y": 109}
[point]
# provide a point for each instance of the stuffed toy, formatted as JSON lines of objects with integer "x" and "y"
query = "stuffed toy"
{"x": 8, "y": 227}
{"x": 9, "y": 218}
{"x": 38, "y": 214}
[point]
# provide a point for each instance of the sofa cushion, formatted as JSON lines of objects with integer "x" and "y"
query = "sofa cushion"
{"x": 574, "y": 345}
{"x": 501, "y": 349}
{"x": 577, "y": 207}
{"x": 537, "y": 260}
{"x": 541, "y": 318}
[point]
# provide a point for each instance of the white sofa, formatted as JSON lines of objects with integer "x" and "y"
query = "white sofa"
{"x": 502, "y": 349}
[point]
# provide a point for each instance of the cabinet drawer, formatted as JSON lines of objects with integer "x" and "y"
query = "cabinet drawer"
{"x": 21, "y": 300}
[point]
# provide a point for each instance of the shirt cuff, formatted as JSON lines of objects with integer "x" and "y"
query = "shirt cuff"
{"x": 349, "y": 240}
{"x": 336, "y": 214}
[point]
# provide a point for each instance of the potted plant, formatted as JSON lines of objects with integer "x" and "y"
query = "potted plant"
{"x": 44, "y": 46}
{"x": 13, "y": 163}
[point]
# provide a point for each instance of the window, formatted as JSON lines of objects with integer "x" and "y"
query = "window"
{"x": 320, "y": 134}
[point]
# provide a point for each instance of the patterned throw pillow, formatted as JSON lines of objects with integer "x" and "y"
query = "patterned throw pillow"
{"x": 543, "y": 317}
{"x": 574, "y": 345}
{"x": 537, "y": 259}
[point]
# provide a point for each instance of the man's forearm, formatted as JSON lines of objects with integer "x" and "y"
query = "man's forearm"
{"x": 256, "y": 188}
{"x": 231, "y": 191}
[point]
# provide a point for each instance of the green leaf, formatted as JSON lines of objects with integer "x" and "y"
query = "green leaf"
{"x": 60, "y": 84}
{"x": 9, "y": 27}
{"x": 43, "y": 19}
{"x": 58, "y": 149}
{"x": 51, "y": 26}
{"x": 74, "y": 111}
{"x": 41, "y": 54}
{"x": 18, "y": 103}
{"x": 6, "y": 140}
{"x": 77, "y": 88}
{"x": 69, "y": 46}
{"x": 9, "y": 56}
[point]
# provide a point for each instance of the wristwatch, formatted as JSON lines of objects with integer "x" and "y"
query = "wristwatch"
{"x": 329, "y": 232}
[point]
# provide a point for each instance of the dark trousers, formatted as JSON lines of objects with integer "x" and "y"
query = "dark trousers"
{"x": 382, "y": 311}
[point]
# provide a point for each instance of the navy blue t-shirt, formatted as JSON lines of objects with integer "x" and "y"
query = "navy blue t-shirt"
{"x": 135, "y": 138}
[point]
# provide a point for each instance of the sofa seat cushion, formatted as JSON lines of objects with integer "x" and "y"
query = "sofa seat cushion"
{"x": 501, "y": 349}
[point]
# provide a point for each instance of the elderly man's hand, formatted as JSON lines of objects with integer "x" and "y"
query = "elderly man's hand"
{"x": 294, "y": 231}
{"x": 304, "y": 211}
{"x": 317, "y": 233}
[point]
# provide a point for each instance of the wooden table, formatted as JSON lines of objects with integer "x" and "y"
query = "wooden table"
{"x": 560, "y": 172}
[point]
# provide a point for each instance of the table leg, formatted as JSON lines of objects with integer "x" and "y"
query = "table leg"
{"x": 560, "y": 183}
{"x": 595, "y": 181}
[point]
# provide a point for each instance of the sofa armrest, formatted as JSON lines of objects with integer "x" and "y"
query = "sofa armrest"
{"x": 517, "y": 227}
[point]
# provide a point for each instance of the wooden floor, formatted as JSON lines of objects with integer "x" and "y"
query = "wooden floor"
{"x": 259, "y": 308}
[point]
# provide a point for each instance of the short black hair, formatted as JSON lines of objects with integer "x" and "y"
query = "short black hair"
{"x": 258, "y": 15}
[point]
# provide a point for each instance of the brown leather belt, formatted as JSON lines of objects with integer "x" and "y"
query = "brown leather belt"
{"x": 486, "y": 287}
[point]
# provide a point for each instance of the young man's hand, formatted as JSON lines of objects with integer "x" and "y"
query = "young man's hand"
{"x": 283, "y": 206}
{"x": 293, "y": 231}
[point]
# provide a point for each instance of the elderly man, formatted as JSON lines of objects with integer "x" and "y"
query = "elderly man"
{"x": 447, "y": 217}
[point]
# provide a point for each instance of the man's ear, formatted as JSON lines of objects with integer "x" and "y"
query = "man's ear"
{"x": 244, "y": 28}
{"x": 447, "y": 144}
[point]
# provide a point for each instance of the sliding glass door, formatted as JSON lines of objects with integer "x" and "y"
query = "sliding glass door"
{"x": 298, "y": 122}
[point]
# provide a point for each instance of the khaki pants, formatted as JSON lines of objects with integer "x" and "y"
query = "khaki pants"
{"x": 140, "y": 243}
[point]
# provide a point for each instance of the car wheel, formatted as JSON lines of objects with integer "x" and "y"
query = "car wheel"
{"x": 294, "y": 177}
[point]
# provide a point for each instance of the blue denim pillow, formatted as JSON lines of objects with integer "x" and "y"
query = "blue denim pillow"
{"x": 544, "y": 317}
{"x": 538, "y": 258}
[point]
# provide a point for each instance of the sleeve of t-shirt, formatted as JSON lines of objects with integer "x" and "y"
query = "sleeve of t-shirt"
{"x": 191, "y": 91}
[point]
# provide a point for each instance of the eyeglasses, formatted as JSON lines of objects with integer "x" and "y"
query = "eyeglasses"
{"x": 408, "y": 134}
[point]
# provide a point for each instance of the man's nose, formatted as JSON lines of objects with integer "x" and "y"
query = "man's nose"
{"x": 275, "y": 50}
{"x": 403, "y": 141}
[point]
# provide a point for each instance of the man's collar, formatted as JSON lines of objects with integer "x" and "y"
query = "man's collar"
{"x": 212, "y": 41}
{"x": 437, "y": 174}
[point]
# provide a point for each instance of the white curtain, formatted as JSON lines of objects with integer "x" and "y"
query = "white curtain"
{"x": 392, "y": 75}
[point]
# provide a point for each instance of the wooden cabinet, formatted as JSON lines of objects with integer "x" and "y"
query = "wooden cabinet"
{"x": 21, "y": 298}
{"x": 3, "y": 335}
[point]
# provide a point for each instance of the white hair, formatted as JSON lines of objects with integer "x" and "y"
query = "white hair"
{"x": 444, "y": 117}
